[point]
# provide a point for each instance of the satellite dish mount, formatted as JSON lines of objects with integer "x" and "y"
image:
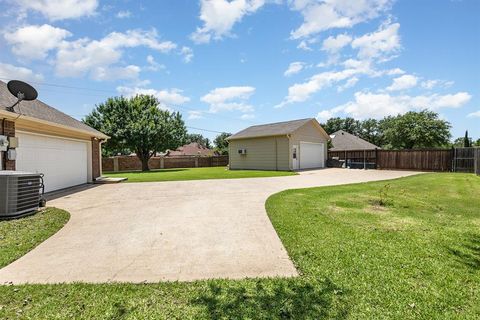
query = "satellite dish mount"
{"x": 22, "y": 91}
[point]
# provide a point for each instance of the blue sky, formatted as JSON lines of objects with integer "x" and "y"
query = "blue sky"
{"x": 226, "y": 65}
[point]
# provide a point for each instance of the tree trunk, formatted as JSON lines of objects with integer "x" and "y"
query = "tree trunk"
{"x": 144, "y": 157}
{"x": 145, "y": 166}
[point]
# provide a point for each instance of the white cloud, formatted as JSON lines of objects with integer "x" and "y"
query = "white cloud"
{"x": 348, "y": 84}
{"x": 430, "y": 84}
{"x": 379, "y": 44}
{"x": 60, "y": 9}
{"x": 229, "y": 99}
{"x": 304, "y": 46}
{"x": 321, "y": 15}
{"x": 300, "y": 92}
{"x": 154, "y": 65}
{"x": 293, "y": 68}
{"x": 247, "y": 116}
{"x": 394, "y": 72}
{"x": 124, "y": 14}
{"x": 378, "y": 105}
{"x": 334, "y": 44}
{"x": 404, "y": 82}
{"x": 195, "y": 114}
{"x": 219, "y": 17}
{"x": 187, "y": 54}
{"x": 34, "y": 42}
{"x": 475, "y": 114}
{"x": 113, "y": 73}
{"x": 8, "y": 71}
{"x": 85, "y": 56}
{"x": 167, "y": 97}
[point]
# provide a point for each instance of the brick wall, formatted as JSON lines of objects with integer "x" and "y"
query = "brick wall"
{"x": 96, "y": 172}
{"x": 132, "y": 163}
{"x": 9, "y": 131}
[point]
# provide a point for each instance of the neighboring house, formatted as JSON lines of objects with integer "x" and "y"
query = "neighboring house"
{"x": 191, "y": 149}
{"x": 290, "y": 145}
{"x": 344, "y": 141}
{"x": 65, "y": 150}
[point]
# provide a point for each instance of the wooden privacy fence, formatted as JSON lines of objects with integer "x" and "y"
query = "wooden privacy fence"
{"x": 456, "y": 159}
{"x": 422, "y": 160}
{"x": 477, "y": 161}
{"x": 132, "y": 163}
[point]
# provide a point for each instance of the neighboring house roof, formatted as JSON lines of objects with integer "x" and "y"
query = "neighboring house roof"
{"x": 39, "y": 110}
{"x": 274, "y": 129}
{"x": 342, "y": 140}
{"x": 191, "y": 149}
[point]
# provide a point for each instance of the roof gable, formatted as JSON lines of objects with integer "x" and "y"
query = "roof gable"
{"x": 342, "y": 140}
{"x": 274, "y": 129}
{"x": 39, "y": 110}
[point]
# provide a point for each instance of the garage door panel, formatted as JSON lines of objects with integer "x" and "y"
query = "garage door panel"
{"x": 62, "y": 161}
{"x": 312, "y": 155}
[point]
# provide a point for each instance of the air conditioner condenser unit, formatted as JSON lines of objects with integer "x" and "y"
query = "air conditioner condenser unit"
{"x": 20, "y": 193}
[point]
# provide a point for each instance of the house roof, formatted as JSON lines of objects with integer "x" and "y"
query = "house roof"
{"x": 39, "y": 110}
{"x": 271, "y": 129}
{"x": 191, "y": 149}
{"x": 342, "y": 140}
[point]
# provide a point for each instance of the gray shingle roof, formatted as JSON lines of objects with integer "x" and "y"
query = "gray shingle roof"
{"x": 342, "y": 140}
{"x": 270, "y": 129}
{"x": 38, "y": 109}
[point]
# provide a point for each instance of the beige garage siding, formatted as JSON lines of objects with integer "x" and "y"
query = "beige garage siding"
{"x": 271, "y": 153}
{"x": 308, "y": 133}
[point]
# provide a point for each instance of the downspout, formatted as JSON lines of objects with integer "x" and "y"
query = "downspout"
{"x": 4, "y": 158}
{"x": 276, "y": 155}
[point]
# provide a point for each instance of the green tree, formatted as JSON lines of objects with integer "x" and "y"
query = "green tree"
{"x": 198, "y": 138}
{"x": 413, "y": 129}
{"x": 137, "y": 124}
{"x": 467, "y": 142}
{"x": 370, "y": 131}
{"x": 349, "y": 125}
{"x": 221, "y": 144}
{"x": 477, "y": 143}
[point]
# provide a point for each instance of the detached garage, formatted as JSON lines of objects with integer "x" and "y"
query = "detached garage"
{"x": 39, "y": 138}
{"x": 289, "y": 145}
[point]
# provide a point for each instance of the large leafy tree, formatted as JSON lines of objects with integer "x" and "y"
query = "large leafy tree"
{"x": 221, "y": 144}
{"x": 198, "y": 138}
{"x": 138, "y": 125}
{"x": 412, "y": 130}
{"x": 349, "y": 125}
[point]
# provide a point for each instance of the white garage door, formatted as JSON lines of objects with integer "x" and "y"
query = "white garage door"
{"x": 312, "y": 155}
{"x": 63, "y": 162}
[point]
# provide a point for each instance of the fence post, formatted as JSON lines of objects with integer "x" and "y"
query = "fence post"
{"x": 162, "y": 163}
{"x": 115, "y": 164}
{"x": 364, "y": 159}
{"x": 196, "y": 162}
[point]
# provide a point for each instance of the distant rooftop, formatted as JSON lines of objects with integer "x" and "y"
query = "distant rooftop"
{"x": 342, "y": 140}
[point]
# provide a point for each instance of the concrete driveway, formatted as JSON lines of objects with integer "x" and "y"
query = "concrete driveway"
{"x": 159, "y": 231}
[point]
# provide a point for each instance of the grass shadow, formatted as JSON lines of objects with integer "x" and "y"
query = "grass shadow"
{"x": 273, "y": 299}
{"x": 468, "y": 253}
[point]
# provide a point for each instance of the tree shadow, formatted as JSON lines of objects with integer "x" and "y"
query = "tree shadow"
{"x": 468, "y": 253}
{"x": 150, "y": 171}
{"x": 298, "y": 298}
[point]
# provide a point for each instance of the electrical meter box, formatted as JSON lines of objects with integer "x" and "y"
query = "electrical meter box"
{"x": 13, "y": 142}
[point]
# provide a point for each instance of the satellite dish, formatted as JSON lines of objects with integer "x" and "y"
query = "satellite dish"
{"x": 22, "y": 91}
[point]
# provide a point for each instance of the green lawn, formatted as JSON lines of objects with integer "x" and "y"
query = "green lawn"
{"x": 195, "y": 174}
{"x": 401, "y": 249}
{"x": 19, "y": 236}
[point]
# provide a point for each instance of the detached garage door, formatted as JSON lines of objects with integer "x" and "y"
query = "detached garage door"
{"x": 312, "y": 155}
{"x": 62, "y": 161}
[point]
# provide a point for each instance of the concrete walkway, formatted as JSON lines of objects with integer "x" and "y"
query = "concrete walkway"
{"x": 159, "y": 231}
